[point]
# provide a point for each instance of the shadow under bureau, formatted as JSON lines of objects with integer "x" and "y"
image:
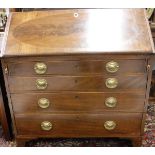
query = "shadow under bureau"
{"x": 72, "y": 73}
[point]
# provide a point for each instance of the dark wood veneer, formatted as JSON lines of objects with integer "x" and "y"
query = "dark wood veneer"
{"x": 85, "y": 67}
{"x": 79, "y": 125}
{"x": 77, "y": 101}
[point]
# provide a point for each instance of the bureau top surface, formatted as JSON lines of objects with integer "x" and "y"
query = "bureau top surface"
{"x": 77, "y": 31}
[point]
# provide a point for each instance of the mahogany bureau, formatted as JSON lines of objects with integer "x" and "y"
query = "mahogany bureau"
{"x": 76, "y": 73}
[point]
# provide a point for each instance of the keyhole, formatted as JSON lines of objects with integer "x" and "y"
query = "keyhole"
{"x": 76, "y": 66}
{"x": 77, "y": 118}
{"x": 76, "y": 15}
{"x": 76, "y": 97}
{"x": 76, "y": 81}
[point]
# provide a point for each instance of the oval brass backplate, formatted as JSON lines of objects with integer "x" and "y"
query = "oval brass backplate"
{"x": 41, "y": 84}
{"x": 46, "y": 125}
{"x": 112, "y": 66}
{"x": 111, "y": 102}
{"x": 43, "y": 103}
{"x": 40, "y": 68}
{"x": 109, "y": 125}
{"x": 111, "y": 83}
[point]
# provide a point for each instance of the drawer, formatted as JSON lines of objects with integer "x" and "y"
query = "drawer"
{"x": 79, "y": 125}
{"x": 75, "y": 67}
{"x": 90, "y": 102}
{"x": 76, "y": 83}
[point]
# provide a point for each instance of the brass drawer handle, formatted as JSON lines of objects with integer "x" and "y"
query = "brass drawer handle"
{"x": 109, "y": 125}
{"x": 111, "y": 102}
{"x": 40, "y": 68}
{"x": 112, "y": 66}
{"x": 46, "y": 125}
{"x": 43, "y": 103}
{"x": 111, "y": 83}
{"x": 41, "y": 83}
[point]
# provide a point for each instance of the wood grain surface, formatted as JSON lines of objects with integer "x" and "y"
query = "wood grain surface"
{"x": 75, "y": 31}
{"x": 83, "y": 67}
{"x": 78, "y": 83}
{"x": 76, "y": 102}
{"x": 79, "y": 125}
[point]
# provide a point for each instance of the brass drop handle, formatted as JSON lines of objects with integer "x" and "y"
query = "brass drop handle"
{"x": 41, "y": 83}
{"x": 40, "y": 68}
{"x": 111, "y": 83}
{"x": 112, "y": 66}
{"x": 43, "y": 103}
{"x": 46, "y": 125}
{"x": 109, "y": 125}
{"x": 111, "y": 102}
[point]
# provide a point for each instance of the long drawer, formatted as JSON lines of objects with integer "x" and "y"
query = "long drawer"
{"x": 74, "y": 67}
{"x": 76, "y": 101}
{"x": 79, "y": 125}
{"x": 76, "y": 83}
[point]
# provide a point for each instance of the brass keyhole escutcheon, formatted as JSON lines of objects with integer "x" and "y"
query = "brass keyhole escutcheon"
{"x": 43, "y": 103}
{"x": 40, "y": 68}
{"x": 109, "y": 125}
{"x": 111, "y": 83}
{"x": 112, "y": 66}
{"x": 46, "y": 125}
{"x": 41, "y": 84}
{"x": 111, "y": 102}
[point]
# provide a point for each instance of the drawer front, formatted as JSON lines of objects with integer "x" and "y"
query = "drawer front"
{"x": 79, "y": 125}
{"x": 90, "y": 102}
{"x": 76, "y": 83}
{"x": 75, "y": 67}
